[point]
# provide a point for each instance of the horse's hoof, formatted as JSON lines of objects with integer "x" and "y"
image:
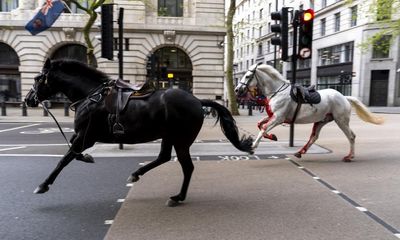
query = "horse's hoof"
{"x": 133, "y": 178}
{"x": 41, "y": 189}
{"x": 347, "y": 159}
{"x": 172, "y": 203}
{"x": 85, "y": 158}
{"x": 298, "y": 155}
{"x": 273, "y": 137}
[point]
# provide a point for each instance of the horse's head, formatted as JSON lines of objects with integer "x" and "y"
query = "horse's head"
{"x": 41, "y": 89}
{"x": 247, "y": 82}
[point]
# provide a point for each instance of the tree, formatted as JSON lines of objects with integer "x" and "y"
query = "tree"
{"x": 380, "y": 13}
{"x": 91, "y": 11}
{"x": 233, "y": 107}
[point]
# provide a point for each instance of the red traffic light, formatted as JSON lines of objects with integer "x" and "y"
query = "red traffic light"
{"x": 308, "y": 15}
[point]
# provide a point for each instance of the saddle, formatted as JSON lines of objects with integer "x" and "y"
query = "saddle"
{"x": 119, "y": 95}
{"x": 302, "y": 94}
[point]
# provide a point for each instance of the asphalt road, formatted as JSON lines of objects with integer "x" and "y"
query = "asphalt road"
{"x": 80, "y": 201}
{"x": 85, "y": 196}
{"x": 329, "y": 198}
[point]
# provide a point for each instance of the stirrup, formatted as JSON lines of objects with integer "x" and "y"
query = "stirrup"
{"x": 118, "y": 129}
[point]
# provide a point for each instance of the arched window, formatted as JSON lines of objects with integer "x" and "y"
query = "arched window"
{"x": 10, "y": 79}
{"x": 170, "y": 67}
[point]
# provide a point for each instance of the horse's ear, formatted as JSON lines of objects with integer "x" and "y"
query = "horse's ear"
{"x": 47, "y": 64}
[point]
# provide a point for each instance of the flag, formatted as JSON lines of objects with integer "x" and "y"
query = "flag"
{"x": 47, "y": 15}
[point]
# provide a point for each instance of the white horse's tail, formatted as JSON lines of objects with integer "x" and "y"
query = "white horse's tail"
{"x": 363, "y": 112}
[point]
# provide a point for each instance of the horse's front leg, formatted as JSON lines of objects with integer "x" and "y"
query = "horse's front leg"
{"x": 272, "y": 122}
{"x": 75, "y": 150}
{"x": 44, "y": 187}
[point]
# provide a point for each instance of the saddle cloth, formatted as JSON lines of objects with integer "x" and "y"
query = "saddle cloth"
{"x": 302, "y": 94}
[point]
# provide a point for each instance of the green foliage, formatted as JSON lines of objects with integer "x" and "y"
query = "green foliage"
{"x": 384, "y": 14}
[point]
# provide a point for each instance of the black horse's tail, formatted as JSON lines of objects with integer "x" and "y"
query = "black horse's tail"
{"x": 229, "y": 128}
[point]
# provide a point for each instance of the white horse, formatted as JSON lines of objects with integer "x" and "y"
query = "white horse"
{"x": 281, "y": 108}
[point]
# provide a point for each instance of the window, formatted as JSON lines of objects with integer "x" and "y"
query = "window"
{"x": 261, "y": 13}
{"x": 268, "y": 46}
{"x": 334, "y": 82}
{"x": 381, "y": 47}
{"x": 341, "y": 53}
{"x": 353, "y": 18}
{"x": 8, "y": 5}
{"x": 337, "y": 22}
{"x": 72, "y": 8}
{"x": 260, "y": 49}
{"x": 260, "y": 31}
{"x": 323, "y": 3}
{"x": 323, "y": 27}
{"x": 170, "y": 8}
{"x": 10, "y": 79}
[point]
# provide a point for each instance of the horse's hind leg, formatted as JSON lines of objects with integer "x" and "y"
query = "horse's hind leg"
{"x": 163, "y": 157}
{"x": 343, "y": 123}
{"x": 185, "y": 160}
{"x": 314, "y": 135}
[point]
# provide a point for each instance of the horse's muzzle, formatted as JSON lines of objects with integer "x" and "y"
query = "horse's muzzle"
{"x": 240, "y": 91}
{"x": 31, "y": 99}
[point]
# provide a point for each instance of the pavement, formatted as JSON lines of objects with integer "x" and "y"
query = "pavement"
{"x": 316, "y": 197}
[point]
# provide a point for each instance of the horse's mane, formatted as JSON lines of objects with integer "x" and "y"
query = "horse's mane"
{"x": 272, "y": 72}
{"x": 80, "y": 69}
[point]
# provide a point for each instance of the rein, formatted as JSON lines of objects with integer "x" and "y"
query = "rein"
{"x": 94, "y": 95}
{"x": 55, "y": 120}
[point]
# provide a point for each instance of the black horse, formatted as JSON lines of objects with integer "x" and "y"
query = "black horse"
{"x": 173, "y": 115}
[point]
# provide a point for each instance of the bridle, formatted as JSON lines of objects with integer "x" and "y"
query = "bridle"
{"x": 251, "y": 78}
{"x": 40, "y": 79}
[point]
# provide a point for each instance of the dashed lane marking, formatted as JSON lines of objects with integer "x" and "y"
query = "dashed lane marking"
{"x": 362, "y": 209}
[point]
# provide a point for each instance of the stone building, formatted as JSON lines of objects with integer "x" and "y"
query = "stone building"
{"x": 181, "y": 37}
{"x": 337, "y": 60}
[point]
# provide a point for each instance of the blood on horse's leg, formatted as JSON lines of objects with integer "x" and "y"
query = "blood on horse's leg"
{"x": 311, "y": 140}
{"x": 269, "y": 136}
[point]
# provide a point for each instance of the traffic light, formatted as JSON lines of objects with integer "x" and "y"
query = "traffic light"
{"x": 306, "y": 33}
{"x": 107, "y": 31}
{"x": 282, "y": 29}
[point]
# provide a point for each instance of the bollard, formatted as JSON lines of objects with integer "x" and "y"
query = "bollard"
{"x": 66, "y": 109}
{"x": 3, "y": 109}
{"x": 24, "y": 109}
{"x": 46, "y": 104}
{"x": 250, "y": 107}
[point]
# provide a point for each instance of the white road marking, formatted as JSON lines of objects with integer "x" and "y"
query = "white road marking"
{"x": 362, "y": 209}
{"x": 30, "y": 155}
{"x": 397, "y": 235}
{"x": 121, "y": 200}
{"x": 336, "y": 191}
{"x": 16, "y": 128}
{"x": 129, "y": 184}
{"x": 11, "y": 148}
{"x": 316, "y": 178}
{"x": 34, "y": 145}
{"x": 108, "y": 222}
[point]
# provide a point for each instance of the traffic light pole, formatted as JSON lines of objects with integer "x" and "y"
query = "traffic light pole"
{"x": 295, "y": 25}
{"x": 120, "y": 50}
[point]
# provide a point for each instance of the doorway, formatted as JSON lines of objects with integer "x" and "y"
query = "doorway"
{"x": 379, "y": 88}
{"x": 170, "y": 67}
